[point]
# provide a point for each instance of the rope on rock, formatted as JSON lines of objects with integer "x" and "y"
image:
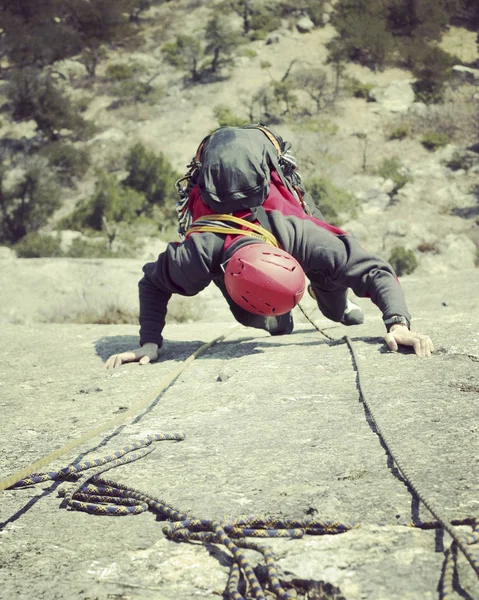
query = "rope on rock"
{"x": 460, "y": 540}
{"x": 95, "y": 495}
{"x": 121, "y": 419}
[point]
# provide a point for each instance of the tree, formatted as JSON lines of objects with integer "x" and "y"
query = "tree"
{"x": 29, "y": 203}
{"x": 33, "y": 95}
{"x": 111, "y": 205}
{"x": 221, "y": 41}
{"x": 314, "y": 82}
{"x": 34, "y": 37}
{"x": 38, "y": 36}
{"x": 423, "y": 19}
{"x": 152, "y": 175}
{"x": 245, "y": 9}
{"x": 362, "y": 32}
{"x": 184, "y": 53}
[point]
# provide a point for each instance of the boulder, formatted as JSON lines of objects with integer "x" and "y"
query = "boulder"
{"x": 110, "y": 136}
{"x": 456, "y": 252}
{"x": 325, "y": 18}
{"x": 305, "y": 25}
{"x": 466, "y": 74}
{"x": 70, "y": 69}
{"x": 273, "y": 38}
{"x": 396, "y": 96}
{"x": 418, "y": 109}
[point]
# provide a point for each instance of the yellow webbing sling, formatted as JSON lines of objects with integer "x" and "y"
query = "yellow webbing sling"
{"x": 203, "y": 224}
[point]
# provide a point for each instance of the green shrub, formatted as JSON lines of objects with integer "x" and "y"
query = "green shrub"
{"x": 225, "y": 117}
{"x": 82, "y": 248}
{"x": 130, "y": 91}
{"x": 119, "y": 72}
{"x": 432, "y": 68}
{"x": 434, "y": 140}
{"x": 27, "y": 205}
{"x": 265, "y": 64}
{"x": 399, "y": 133}
{"x": 185, "y": 53}
{"x": 335, "y": 203}
{"x": 111, "y": 202}
{"x": 153, "y": 176}
{"x": 320, "y": 126}
{"x": 403, "y": 261}
{"x": 70, "y": 162}
{"x": 390, "y": 168}
{"x": 35, "y": 95}
{"x": 262, "y": 23}
{"x": 38, "y": 245}
{"x": 357, "y": 88}
{"x": 249, "y": 52}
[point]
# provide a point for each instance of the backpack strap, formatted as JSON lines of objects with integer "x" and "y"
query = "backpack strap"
{"x": 200, "y": 148}
{"x": 230, "y": 225}
{"x": 271, "y": 137}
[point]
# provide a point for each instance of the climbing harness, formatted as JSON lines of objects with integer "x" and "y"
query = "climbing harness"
{"x": 93, "y": 494}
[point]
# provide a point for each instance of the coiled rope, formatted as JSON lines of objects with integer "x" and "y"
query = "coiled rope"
{"x": 93, "y": 494}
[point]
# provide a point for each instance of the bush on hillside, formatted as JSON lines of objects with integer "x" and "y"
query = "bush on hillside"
{"x": 432, "y": 68}
{"x": 38, "y": 245}
{"x": 71, "y": 163}
{"x": 433, "y": 140}
{"x": 399, "y": 133}
{"x": 119, "y": 72}
{"x": 391, "y": 168}
{"x": 111, "y": 204}
{"x": 185, "y": 53}
{"x": 358, "y": 88}
{"x": 153, "y": 176}
{"x": 317, "y": 85}
{"x": 336, "y": 204}
{"x": 34, "y": 95}
{"x": 85, "y": 248}
{"x": 362, "y": 33}
{"x": 220, "y": 42}
{"x": 225, "y": 117}
{"x": 402, "y": 260}
{"x": 28, "y": 204}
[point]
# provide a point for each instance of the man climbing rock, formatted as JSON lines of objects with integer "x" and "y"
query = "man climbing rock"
{"x": 247, "y": 226}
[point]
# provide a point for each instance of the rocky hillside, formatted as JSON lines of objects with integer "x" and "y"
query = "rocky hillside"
{"x": 408, "y": 191}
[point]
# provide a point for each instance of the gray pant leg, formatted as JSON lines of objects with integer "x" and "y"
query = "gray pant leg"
{"x": 274, "y": 325}
{"x": 332, "y": 303}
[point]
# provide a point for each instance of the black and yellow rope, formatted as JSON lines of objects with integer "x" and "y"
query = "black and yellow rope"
{"x": 95, "y": 495}
{"x": 231, "y": 225}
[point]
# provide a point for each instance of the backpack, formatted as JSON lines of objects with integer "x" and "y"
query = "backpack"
{"x": 232, "y": 168}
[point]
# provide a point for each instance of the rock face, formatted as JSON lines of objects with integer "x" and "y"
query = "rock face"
{"x": 466, "y": 73}
{"x": 396, "y": 96}
{"x": 305, "y": 25}
{"x": 274, "y": 426}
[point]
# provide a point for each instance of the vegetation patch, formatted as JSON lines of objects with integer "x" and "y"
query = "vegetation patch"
{"x": 391, "y": 168}
{"x": 402, "y": 260}
{"x": 433, "y": 140}
{"x": 336, "y": 204}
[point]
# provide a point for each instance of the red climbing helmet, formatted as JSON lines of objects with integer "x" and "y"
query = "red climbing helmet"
{"x": 264, "y": 280}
